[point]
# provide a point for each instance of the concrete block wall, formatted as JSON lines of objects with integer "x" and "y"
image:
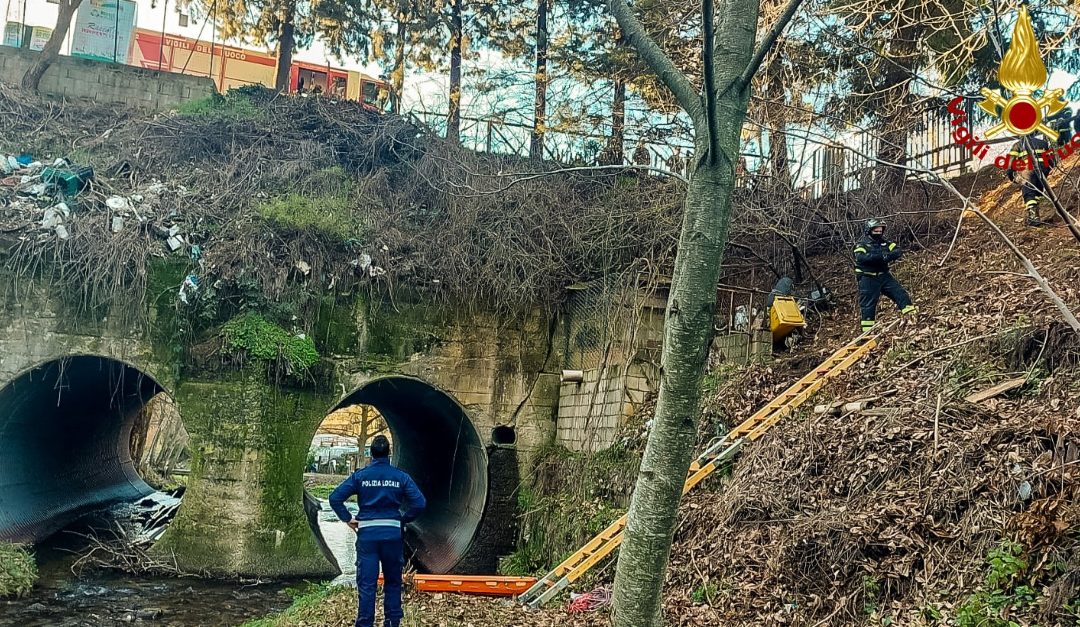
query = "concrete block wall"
{"x": 495, "y": 371}
{"x": 73, "y": 78}
{"x": 742, "y": 348}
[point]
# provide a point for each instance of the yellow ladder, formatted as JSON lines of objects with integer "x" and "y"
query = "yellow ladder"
{"x": 718, "y": 451}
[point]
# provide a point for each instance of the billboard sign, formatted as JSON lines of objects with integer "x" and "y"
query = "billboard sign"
{"x": 12, "y": 34}
{"x": 39, "y": 36}
{"x": 103, "y": 30}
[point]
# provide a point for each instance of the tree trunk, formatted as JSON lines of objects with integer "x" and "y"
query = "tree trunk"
{"x": 778, "y": 155}
{"x": 536, "y": 143}
{"x": 617, "y": 141}
{"x": 453, "y": 118}
{"x": 718, "y": 115}
{"x": 286, "y": 43}
{"x": 687, "y": 332}
{"x": 32, "y": 78}
{"x": 397, "y": 75}
{"x": 890, "y": 178}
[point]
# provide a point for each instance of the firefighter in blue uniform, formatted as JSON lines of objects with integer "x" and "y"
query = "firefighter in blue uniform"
{"x": 873, "y": 253}
{"x": 1032, "y": 184}
{"x": 382, "y": 491}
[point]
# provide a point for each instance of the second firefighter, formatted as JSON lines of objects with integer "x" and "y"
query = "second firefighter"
{"x": 873, "y": 253}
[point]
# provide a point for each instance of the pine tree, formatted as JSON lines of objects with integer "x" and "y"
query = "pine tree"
{"x": 344, "y": 25}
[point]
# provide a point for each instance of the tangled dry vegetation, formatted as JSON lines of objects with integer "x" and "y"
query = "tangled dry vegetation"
{"x": 927, "y": 504}
{"x": 279, "y": 192}
{"x": 289, "y": 195}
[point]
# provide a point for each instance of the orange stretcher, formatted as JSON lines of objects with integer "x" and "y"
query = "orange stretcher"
{"x": 489, "y": 585}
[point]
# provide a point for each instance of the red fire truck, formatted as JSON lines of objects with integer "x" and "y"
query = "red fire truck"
{"x": 229, "y": 66}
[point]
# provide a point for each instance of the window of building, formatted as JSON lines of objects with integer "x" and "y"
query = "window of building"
{"x": 183, "y": 19}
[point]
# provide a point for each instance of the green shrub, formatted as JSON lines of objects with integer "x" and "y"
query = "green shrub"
{"x": 18, "y": 570}
{"x": 322, "y": 490}
{"x": 263, "y": 340}
{"x": 986, "y": 607}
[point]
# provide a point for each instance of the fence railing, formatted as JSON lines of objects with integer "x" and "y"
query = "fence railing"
{"x": 834, "y": 166}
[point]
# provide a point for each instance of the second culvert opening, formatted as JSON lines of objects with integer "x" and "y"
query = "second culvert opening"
{"x": 65, "y": 443}
{"x": 436, "y": 443}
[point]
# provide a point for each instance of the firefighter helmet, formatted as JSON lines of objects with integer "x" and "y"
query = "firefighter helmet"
{"x": 874, "y": 223}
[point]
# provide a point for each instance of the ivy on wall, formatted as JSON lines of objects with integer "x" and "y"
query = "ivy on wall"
{"x": 260, "y": 339}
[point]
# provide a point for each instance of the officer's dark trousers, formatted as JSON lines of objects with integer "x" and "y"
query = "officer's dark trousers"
{"x": 870, "y": 290}
{"x": 369, "y": 554}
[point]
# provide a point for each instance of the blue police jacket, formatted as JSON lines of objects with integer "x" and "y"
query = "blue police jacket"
{"x": 381, "y": 492}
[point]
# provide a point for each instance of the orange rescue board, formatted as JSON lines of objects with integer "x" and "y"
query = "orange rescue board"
{"x": 489, "y": 585}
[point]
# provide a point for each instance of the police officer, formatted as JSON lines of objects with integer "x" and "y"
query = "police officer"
{"x": 381, "y": 492}
{"x": 1032, "y": 182}
{"x": 872, "y": 256}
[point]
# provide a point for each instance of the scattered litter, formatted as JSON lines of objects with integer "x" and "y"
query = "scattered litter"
{"x": 52, "y": 219}
{"x": 117, "y": 224}
{"x": 304, "y": 267}
{"x": 66, "y": 180}
{"x": 119, "y": 203}
{"x": 61, "y": 231}
{"x": 175, "y": 243}
{"x": 189, "y": 287}
{"x": 589, "y": 602}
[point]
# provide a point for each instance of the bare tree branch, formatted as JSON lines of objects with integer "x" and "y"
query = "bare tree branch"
{"x": 708, "y": 58}
{"x": 665, "y": 68}
{"x": 767, "y": 43}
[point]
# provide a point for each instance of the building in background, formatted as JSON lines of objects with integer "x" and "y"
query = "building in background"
{"x": 161, "y": 37}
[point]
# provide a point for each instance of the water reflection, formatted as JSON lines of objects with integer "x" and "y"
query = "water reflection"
{"x": 340, "y": 540}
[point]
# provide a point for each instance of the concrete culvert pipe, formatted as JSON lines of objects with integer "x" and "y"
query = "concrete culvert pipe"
{"x": 436, "y": 443}
{"x": 503, "y": 435}
{"x": 65, "y": 443}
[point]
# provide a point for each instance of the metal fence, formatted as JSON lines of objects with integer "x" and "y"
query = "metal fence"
{"x": 833, "y": 166}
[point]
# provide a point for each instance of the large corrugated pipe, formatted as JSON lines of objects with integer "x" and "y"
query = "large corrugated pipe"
{"x": 65, "y": 443}
{"x": 436, "y": 443}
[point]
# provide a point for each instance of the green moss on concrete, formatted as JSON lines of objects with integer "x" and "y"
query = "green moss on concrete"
{"x": 283, "y": 527}
{"x": 243, "y": 510}
{"x": 337, "y": 330}
{"x": 18, "y": 570}
{"x": 394, "y": 332}
{"x": 168, "y": 330}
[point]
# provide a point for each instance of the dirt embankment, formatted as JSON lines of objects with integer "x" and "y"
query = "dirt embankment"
{"x": 930, "y": 506}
